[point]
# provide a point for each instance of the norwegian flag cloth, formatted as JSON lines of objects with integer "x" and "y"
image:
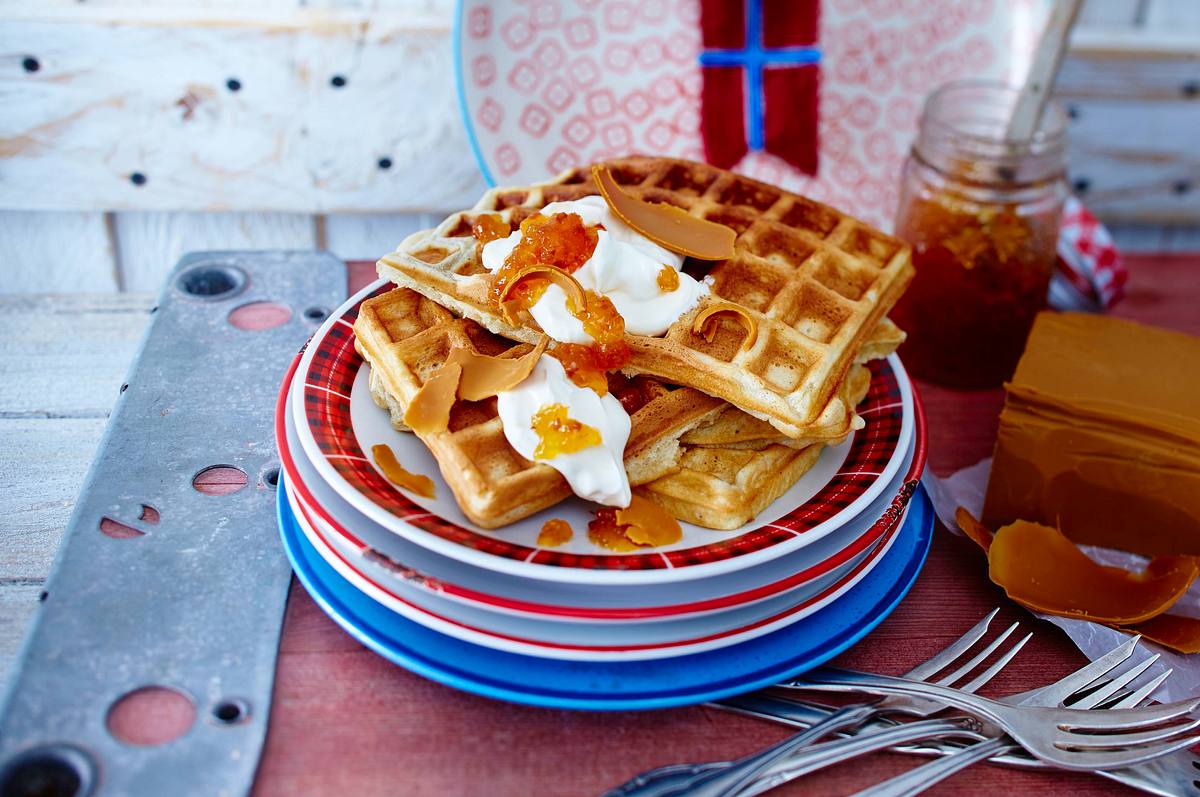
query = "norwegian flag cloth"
{"x": 760, "y": 67}
{"x": 1089, "y": 273}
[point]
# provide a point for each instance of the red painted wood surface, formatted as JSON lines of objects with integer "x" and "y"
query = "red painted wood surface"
{"x": 348, "y": 722}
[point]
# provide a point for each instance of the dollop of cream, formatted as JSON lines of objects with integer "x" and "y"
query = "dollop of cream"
{"x": 624, "y": 267}
{"x": 596, "y": 473}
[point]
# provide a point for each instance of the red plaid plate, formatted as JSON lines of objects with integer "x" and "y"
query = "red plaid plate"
{"x": 337, "y": 422}
{"x": 398, "y": 560}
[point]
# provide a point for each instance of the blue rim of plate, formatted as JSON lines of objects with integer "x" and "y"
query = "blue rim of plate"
{"x": 461, "y": 87}
{"x": 617, "y": 686}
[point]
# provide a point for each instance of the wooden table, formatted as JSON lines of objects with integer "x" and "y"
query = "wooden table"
{"x": 346, "y": 721}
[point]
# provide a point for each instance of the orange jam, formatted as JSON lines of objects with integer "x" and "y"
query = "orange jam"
{"x": 588, "y": 366}
{"x": 489, "y": 227}
{"x": 668, "y": 279}
{"x": 982, "y": 275}
{"x": 561, "y": 240}
{"x": 560, "y": 434}
{"x": 554, "y": 533}
{"x": 606, "y": 532}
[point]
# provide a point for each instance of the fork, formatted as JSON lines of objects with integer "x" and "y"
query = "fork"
{"x": 1086, "y": 686}
{"x": 1083, "y": 689}
{"x": 1170, "y": 775}
{"x": 1070, "y": 738}
{"x": 725, "y": 776}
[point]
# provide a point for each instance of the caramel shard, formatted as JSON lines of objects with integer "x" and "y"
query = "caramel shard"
{"x": 484, "y": 376}
{"x": 555, "y": 532}
{"x": 1177, "y": 633}
{"x": 976, "y": 531}
{"x": 576, "y": 298}
{"x": 429, "y": 410}
{"x": 1040, "y": 568}
{"x": 704, "y": 323}
{"x": 1100, "y": 436}
{"x": 668, "y": 226}
{"x": 647, "y": 523}
{"x": 396, "y": 474}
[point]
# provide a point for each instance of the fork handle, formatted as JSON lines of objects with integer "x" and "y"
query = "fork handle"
{"x": 834, "y": 752}
{"x": 921, "y": 778}
{"x": 746, "y": 770}
{"x": 727, "y": 777}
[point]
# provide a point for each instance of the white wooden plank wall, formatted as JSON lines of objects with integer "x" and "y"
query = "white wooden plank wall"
{"x": 288, "y": 160}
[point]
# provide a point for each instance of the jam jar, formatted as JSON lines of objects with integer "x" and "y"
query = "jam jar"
{"x": 982, "y": 215}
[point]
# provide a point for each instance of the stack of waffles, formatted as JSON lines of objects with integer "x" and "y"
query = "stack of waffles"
{"x": 721, "y": 427}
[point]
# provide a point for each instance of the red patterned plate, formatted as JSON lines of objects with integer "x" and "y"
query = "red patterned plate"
{"x": 407, "y": 563}
{"x": 337, "y": 422}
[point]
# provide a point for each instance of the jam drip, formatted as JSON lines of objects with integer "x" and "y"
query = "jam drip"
{"x": 668, "y": 279}
{"x": 555, "y": 532}
{"x": 489, "y": 227}
{"x": 559, "y": 434}
{"x": 605, "y": 531}
{"x": 588, "y": 365}
{"x": 563, "y": 241}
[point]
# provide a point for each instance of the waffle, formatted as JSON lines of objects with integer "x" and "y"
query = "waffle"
{"x": 815, "y": 280}
{"x": 406, "y": 337}
{"x": 733, "y": 428}
{"x": 724, "y": 487}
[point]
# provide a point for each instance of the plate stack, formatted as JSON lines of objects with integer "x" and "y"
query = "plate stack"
{"x": 576, "y": 624}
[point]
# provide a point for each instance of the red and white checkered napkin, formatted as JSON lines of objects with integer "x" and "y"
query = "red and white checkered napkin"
{"x": 1089, "y": 273}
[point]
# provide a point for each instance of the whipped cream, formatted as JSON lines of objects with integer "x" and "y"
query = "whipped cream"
{"x": 624, "y": 267}
{"x": 596, "y": 473}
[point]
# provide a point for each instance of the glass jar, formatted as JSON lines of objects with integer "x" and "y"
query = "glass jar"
{"x": 982, "y": 216}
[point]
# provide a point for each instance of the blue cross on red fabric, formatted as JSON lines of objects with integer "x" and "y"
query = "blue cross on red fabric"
{"x": 760, "y": 57}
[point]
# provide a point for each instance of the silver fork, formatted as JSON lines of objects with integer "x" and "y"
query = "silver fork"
{"x": 1089, "y": 690}
{"x": 727, "y": 776}
{"x": 1082, "y": 685}
{"x": 1070, "y": 738}
{"x": 1171, "y": 775}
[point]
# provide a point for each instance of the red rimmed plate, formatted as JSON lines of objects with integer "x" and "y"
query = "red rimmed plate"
{"x": 337, "y": 422}
{"x": 396, "y": 559}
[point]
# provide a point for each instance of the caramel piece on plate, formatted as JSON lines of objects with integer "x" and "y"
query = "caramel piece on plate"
{"x": 1100, "y": 436}
{"x": 647, "y": 523}
{"x": 385, "y": 458}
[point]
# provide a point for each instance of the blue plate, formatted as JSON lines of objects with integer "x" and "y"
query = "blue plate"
{"x": 739, "y": 668}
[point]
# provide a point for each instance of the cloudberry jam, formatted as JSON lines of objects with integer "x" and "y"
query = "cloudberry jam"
{"x": 560, "y": 434}
{"x": 604, "y": 531}
{"x": 561, "y": 240}
{"x": 668, "y": 279}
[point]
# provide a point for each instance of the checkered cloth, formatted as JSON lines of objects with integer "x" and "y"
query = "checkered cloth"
{"x": 1089, "y": 274}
